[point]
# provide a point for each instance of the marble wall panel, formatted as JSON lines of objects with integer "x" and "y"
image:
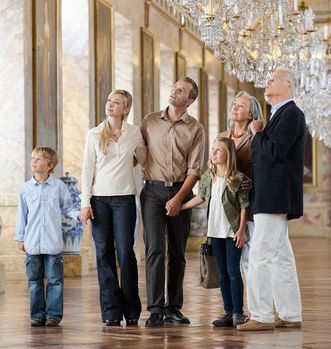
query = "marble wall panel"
{"x": 75, "y": 83}
{"x": 167, "y": 76}
{"x": 212, "y": 65}
{"x": 12, "y": 126}
{"x": 12, "y": 120}
{"x": 213, "y": 109}
{"x": 194, "y": 73}
{"x": 123, "y": 57}
{"x": 192, "y": 49}
{"x": 167, "y": 31}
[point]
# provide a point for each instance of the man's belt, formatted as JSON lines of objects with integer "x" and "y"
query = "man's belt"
{"x": 164, "y": 184}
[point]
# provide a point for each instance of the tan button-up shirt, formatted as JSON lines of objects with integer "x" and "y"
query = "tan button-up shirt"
{"x": 174, "y": 150}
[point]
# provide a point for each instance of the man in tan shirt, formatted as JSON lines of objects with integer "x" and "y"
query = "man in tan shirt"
{"x": 175, "y": 143}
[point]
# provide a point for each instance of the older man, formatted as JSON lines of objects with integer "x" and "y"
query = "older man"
{"x": 175, "y": 142}
{"x": 278, "y": 153}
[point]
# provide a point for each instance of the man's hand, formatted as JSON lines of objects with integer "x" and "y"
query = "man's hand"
{"x": 85, "y": 214}
{"x": 256, "y": 126}
{"x": 173, "y": 206}
{"x": 20, "y": 245}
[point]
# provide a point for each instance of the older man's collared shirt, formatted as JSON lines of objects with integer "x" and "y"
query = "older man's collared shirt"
{"x": 275, "y": 107}
{"x": 39, "y": 215}
{"x": 111, "y": 174}
{"x": 175, "y": 150}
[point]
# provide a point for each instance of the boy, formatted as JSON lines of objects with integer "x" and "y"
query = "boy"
{"x": 42, "y": 201}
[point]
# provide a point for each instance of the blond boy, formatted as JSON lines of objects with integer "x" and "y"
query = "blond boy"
{"x": 42, "y": 202}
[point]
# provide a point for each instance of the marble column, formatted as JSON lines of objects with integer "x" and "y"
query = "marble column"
{"x": 75, "y": 104}
{"x": 167, "y": 76}
{"x": 327, "y": 189}
{"x": 193, "y": 73}
{"x": 123, "y": 58}
{"x": 213, "y": 100}
{"x": 123, "y": 62}
{"x": 14, "y": 128}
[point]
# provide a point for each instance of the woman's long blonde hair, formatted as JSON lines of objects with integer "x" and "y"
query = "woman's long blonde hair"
{"x": 106, "y": 135}
{"x": 231, "y": 163}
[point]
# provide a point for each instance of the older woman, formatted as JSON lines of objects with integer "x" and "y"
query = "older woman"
{"x": 245, "y": 108}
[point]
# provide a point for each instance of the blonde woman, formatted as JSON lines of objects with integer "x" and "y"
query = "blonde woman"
{"x": 220, "y": 187}
{"x": 108, "y": 199}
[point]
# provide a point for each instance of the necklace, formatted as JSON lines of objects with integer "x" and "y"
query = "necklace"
{"x": 237, "y": 136}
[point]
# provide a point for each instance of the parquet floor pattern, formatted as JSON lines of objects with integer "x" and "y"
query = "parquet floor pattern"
{"x": 82, "y": 328}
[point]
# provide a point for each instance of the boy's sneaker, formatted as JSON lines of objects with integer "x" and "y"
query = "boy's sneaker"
{"x": 37, "y": 322}
{"x": 224, "y": 321}
{"x": 239, "y": 319}
{"x": 52, "y": 322}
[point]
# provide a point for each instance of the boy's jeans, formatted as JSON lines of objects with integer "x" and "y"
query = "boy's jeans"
{"x": 50, "y": 306}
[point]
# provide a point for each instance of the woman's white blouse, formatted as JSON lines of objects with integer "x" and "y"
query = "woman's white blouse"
{"x": 111, "y": 174}
{"x": 218, "y": 224}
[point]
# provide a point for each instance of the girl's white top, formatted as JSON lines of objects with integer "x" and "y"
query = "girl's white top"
{"x": 218, "y": 224}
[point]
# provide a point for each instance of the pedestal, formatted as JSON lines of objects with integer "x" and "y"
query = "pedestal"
{"x": 2, "y": 278}
{"x": 76, "y": 265}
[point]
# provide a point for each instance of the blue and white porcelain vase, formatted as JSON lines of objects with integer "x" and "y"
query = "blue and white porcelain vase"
{"x": 72, "y": 231}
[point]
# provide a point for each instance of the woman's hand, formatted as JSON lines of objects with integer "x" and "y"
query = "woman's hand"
{"x": 256, "y": 126}
{"x": 85, "y": 214}
{"x": 246, "y": 184}
{"x": 240, "y": 238}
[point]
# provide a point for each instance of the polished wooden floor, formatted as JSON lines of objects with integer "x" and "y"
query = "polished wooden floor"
{"x": 82, "y": 328}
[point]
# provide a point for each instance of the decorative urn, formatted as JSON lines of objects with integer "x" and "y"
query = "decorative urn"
{"x": 72, "y": 230}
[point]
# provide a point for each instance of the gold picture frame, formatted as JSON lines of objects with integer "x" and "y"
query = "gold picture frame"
{"x": 104, "y": 70}
{"x": 204, "y": 109}
{"x": 147, "y": 72}
{"x": 310, "y": 159}
{"x": 181, "y": 66}
{"x": 222, "y": 107}
{"x": 45, "y": 85}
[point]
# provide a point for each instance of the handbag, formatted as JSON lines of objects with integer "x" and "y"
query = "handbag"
{"x": 208, "y": 277}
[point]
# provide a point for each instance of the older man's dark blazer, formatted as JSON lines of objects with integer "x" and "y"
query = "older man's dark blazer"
{"x": 278, "y": 155}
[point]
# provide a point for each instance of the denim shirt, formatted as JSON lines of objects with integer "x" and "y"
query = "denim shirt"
{"x": 39, "y": 215}
{"x": 233, "y": 198}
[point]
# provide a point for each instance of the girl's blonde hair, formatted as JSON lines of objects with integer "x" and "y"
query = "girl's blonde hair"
{"x": 106, "y": 135}
{"x": 231, "y": 163}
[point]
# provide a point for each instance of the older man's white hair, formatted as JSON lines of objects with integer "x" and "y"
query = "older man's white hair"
{"x": 291, "y": 77}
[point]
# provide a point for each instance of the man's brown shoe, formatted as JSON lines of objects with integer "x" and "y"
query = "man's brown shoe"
{"x": 287, "y": 324}
{"x": 253, "y": 325}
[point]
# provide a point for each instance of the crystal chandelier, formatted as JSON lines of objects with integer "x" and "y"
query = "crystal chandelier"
{"x": 253, "y": 37}
{"x": 314, "y": 96}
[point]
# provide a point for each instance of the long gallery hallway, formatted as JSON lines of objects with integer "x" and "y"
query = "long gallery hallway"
{"x": 82, "y": 328}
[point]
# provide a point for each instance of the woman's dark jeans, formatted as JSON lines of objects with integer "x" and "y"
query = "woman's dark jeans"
{"x": 230, "y": 281}
{"x": 113, "y": 226}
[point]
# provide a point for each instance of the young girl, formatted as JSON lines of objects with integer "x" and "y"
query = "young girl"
{"x": 227, "y": 216}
